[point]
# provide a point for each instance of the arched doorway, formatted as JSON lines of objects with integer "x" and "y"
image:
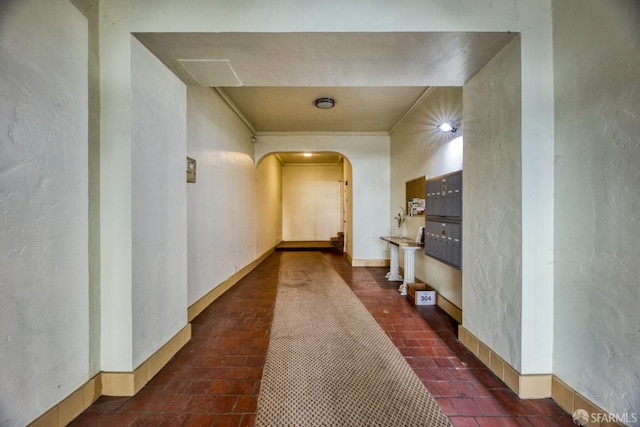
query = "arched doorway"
{"x": 315, "y": 197}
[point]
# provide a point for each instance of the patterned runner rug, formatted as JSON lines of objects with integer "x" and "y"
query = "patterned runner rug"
{"x": 329, "y": 363}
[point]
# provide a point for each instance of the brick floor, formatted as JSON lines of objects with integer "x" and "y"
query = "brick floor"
{"x": 215, "y": 379}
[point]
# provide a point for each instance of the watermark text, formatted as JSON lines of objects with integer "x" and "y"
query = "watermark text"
{"x": 582, "y": 418}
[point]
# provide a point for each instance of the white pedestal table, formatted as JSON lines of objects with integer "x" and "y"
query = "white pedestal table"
{"x": 409, "y": 248}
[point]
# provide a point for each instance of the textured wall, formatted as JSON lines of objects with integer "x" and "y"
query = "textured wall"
{"x": 492, "y": 200}
{"x": 418, "y": 149}
{"x": 311, "y": 202}
{"x": 159, "y": 201}
{"x": 44, "y": 279}
{"x": 222, "y": 203}
{"x": 597, "y": 220}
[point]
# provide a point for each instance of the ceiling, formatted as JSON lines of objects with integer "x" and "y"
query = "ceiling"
{"x": 273, "y": 79}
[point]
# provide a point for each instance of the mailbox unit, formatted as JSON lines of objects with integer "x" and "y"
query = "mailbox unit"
{"x": 443, "y": 219}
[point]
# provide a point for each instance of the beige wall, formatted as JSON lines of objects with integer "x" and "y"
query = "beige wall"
{"x": 492, "y": 203}
{"x": 419, "y": 150}
{"x": 311, "y": 202}
{"x": 159, "y": 211}
{"x": 597, "y": 187}
{"x": 269, "y": 203}
{"x": 46, "y": 323}
{"x": 222, "y": 204}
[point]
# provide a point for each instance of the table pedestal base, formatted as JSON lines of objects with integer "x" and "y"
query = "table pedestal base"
{"x": 394, "y": 274}
{"x": 409, "y": 247}
{"x": 409, "y": 267}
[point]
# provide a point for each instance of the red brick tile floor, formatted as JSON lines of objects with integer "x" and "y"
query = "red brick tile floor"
{"x": 214, "y": 380}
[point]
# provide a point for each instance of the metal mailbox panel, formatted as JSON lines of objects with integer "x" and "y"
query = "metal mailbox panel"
{"x": 454, "y": 195}
{"x": 443, "y": 241}
{"x": 454, "y": 244}
{"x": 433, "y": 244}
{"x": 434, "y": 198}
{"x": 444, "y": 196}
{"x": 443, "y": 228}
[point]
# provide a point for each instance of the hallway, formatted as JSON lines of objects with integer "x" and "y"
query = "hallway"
{"x": 215, "y": 379}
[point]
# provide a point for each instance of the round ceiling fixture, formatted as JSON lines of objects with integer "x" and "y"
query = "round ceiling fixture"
{"x": 325, "y": 103}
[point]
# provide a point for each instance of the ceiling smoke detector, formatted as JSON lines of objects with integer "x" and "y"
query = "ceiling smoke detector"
{"x": 325, "y": 103}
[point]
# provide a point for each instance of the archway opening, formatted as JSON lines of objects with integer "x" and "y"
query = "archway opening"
{"x": 315, "y": 199}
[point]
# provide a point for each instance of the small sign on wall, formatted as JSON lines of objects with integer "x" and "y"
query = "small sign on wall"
{"x": 191, "y": 170}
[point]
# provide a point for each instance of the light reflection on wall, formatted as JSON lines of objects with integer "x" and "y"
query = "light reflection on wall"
{"x": 454, "y": 150}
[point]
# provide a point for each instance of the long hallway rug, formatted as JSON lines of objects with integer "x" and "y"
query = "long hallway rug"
{"x": 329, "y": 363}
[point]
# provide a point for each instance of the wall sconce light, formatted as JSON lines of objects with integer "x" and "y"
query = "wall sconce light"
{"x": 325, "y": 103}
{"x": 447, "y": 127}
